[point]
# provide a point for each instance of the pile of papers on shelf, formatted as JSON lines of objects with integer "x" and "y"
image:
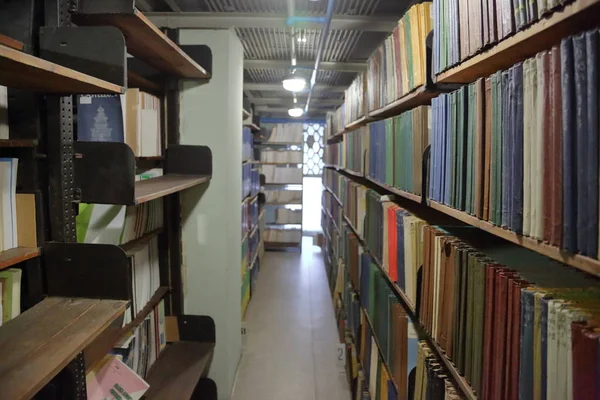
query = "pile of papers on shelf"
{"x": 282, "y": 175}
{"x": 281, "y": 156}
{"x": 286, "y": 133}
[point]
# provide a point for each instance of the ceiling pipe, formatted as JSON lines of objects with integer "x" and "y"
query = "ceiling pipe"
{"x": 322, "y": 41}
{"x": 291, "y": 6}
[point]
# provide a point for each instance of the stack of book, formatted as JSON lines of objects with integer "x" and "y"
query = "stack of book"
{"x": 145, "y": 274}
{"x": 395, "y": 149}
{"x": 334, "y": 122}
{"x": 520, "y": 148}
{"x": 281, "y": 156}
{"x": 132, "y": 118}
{"x": 112, "y": 224}
{"x": 283, "y": 196}
{"x": 355, "y": 150}
{"x": 9, "y": 203}
{"x": 284, "y": 216}
{"x": 355, "y": 103}
{"x": 462, "y": 28}
{"x": 286, "y": 133}
{"x": 333, "y": 154}
{"x": 399, "y": 65}
{"x": 282, "y": 175}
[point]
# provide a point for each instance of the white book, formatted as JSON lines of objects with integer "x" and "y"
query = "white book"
{"x": 4, "y": 113}
{"x": 8, "y": 183}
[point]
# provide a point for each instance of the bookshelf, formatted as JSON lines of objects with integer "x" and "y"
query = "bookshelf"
{"x": 281, "y": 161}
{"x": 77, "y": 298}
{"x": 541, "y": 35}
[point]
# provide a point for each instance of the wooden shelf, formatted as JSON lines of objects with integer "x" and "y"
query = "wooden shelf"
{"x": 333, "y": 195}
{"x": 38, "y": 344}
{"x": 141, "y": 240}
{"x": 146, "y": 42}
{"x": 542, "y": 35}
{"x": 10, "y": 42}
{"x": 155, "y": 188}
{"x": 178, "y": 369}
{"x": 359, "y": 123}
{"x": 418, "y": 97}
{"x": 19, "y": 143}
{"x": 583, "y": 263}
{"x": 23, "y": 71}
{"x": 407, "y": 195}
{"x": 10, "y": 257}
{"x": 282, "y": 245}
{"x": 253, "y": 127}
{"x": 137, "y": 81}
{"x": 96, "y": 351}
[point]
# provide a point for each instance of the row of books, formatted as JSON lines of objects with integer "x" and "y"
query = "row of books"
{"x": 286, "y": 133}
{"x": 114, "y": 224}
{"x": 463, "y": 28}
{"x": 247, "y": 144}
{"x": 273, "y": 235}
{"x": 511, "y": 328}
{"x": 523, "y": 150}
{"x": 283, "y": 196}
{"x": 399, "y": 65}
{"x": 397, "y": 364}
{"x": 133, "y": 118}
{"x": 355, "y": 101}
{"x": 281, "y": 156}
{"x": 335, "y": 121}
{"x": 286, "y": 216}
{"x": 250, "y": 180}
{"x": 282, "y": 175}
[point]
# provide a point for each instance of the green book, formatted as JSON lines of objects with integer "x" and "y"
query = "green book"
{"x": 478, "y": 322}
{"x": 499, "y": 144}
{"x": 469, "y": 324}
{"x": 494, "y": 164}
{"x": 470, "y": 148}
{"x": 410, "y": 173}
{"x": 11, "y": 293}
{"x": 411, "y": 76}
{"x": 389, "y": 151}
{"x": 452, "y": 164}
{"x": 460, "y": 151}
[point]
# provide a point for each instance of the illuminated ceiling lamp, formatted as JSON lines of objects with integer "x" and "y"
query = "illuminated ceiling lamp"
{"x": 295, "y": 112}
{"x": 294, "y": 83}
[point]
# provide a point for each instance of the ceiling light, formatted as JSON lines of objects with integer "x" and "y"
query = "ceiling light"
{"x": 294, "y": 83}
{"x": 301, "y": 39}
{"x": 295, "y": 112}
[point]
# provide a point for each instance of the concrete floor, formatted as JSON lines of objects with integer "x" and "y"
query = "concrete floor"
{"x": 289, "y": 352}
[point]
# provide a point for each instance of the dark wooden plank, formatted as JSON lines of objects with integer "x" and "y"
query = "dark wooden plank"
{"x": 18, "y": 142}
{"x": 178, "y": 369}
{"x": 8, "y": 258}
{"x": 24, "y": 71}
{"x": 96, "y": 351}
{"x": 12, "y": 43}
{"x": 142, "y": 240}
{"x": 38, "y": 344}
{"x": 146, "y": 42}
{"x": 542, "y": 35}
{"x": 165, "y": 185}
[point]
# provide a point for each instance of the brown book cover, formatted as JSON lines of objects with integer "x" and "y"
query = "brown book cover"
{"x": 450, "y": 311}
{"x": 500, "y": 313}
{"x": 499, "y": 29}
{"x": 556, "y": 161}
{"x": 488, "y": 105}
{"x": 26, "y": 223}
{"x": 513, "y": 337}
{"x": 492, "y": 21}
{"x": 475, "y": 33}
{"x": 485, "y": 22}
{"x": 488, "y": 330}
{"x": 479, "y": 146}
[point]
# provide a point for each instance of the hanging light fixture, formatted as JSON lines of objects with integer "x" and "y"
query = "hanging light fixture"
{"x": 294, "y": 83}
{"x": 295, "y": 112}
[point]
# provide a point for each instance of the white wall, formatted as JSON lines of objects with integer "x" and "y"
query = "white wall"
{"x": 211, "y": 114}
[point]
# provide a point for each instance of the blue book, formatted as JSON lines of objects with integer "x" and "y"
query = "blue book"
{"x": 447, "y": 156}
{"x": 517, "y": 152}
{"x": 526, "y": 344}
{"x": 569, "y": 157}
{"x": 591, "y": 38}
{"x": 100, "y": 118}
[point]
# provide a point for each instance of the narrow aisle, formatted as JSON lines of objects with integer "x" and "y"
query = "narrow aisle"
{"x": 290, "y": 349}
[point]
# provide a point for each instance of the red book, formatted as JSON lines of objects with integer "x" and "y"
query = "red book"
{"x": 500, "y": 313}
{"x": 584, "y": 342}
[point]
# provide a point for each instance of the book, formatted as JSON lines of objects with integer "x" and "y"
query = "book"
{"x": 8, "y": 182}
{"x": 4, "y": 128}
{"x": 112, "y": 380}
{"x": 11, "y": 293}
{"x": 100, "y": 118}
{"x": 143, "y": 123}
